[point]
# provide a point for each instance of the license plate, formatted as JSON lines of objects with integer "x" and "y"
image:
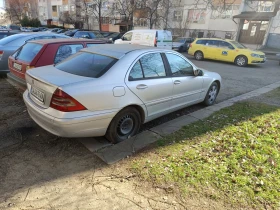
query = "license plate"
{"x": 38, "y": 94}
{"x": 17, "y": 66}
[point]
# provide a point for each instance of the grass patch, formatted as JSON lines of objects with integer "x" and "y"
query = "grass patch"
{"x": 232, "y": 155}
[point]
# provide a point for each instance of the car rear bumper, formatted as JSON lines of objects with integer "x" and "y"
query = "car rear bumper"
{"x": 16, "y": 81}
{"x": 86, "y": 126}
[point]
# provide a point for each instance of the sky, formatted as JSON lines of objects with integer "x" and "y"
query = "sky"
{"x": 1, "y": 3}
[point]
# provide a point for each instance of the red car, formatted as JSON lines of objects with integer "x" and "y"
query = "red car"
{"x": 43, "y": 52}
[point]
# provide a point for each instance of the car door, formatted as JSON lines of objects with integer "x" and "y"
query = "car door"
{"x": 187, "y": 88}
{"x": 148, "y": 80}
{"x": 226, "y": 52}
{"x": 126, "y": 39}
{"x": 211, "y": 49}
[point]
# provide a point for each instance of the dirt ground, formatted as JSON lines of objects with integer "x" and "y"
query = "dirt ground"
{"x": 41, "y": 171}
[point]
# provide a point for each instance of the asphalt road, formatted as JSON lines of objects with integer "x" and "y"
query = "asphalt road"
{"x": 238, "y": 80}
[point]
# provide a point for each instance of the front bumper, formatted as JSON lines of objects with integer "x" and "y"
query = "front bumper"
{"x": 86, "y": 126}
{"x": 257, "y": 60}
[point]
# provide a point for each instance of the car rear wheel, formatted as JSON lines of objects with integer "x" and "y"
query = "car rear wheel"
{"x": 211, "y": 95}
{"x": 124, "y": 125}
{"x": 241, "y": 61}
{"x": 199, "y": 55}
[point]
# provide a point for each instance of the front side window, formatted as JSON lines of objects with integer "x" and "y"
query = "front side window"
{"x": 153, "y": 65}
{"x": 127, "y": 37}
{"x": 64, "y": 51}
{"x": 28, "y": 52}
{"x": 179, "y": 66}
{"x": 87, "y": 64}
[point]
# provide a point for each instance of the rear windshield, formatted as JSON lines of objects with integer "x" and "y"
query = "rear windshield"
{"x": 87, "y": 64}
{"x": 9, "y": 39}
{"x": 28, "y": 52}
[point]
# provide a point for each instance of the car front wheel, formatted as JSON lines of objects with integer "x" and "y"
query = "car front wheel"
{"x": 124, "y": 125}
{"x": 241, "y": 61}
{"x": 211, "y": 95}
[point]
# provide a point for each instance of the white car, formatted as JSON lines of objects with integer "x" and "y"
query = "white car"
{"x": 112, "y": 89}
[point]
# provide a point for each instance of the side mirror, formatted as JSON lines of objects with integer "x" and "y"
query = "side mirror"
{"x": 197, "y": 72}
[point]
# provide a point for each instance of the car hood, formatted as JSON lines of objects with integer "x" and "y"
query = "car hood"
{"x": 51, "y": 75}
{"x": 249, "y": 51}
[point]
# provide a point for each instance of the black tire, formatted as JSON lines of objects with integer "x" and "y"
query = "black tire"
{"x": 198, "y": 55}
{"x": 211, "y": 95}
{"x": 241, "y": 61}
{"x": 124, "y": 125}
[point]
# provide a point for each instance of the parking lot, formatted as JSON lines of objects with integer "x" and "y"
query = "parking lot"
{"x": 38, "y": 168}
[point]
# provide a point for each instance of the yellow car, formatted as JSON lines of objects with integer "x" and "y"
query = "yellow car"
{"x": 225, "y": 50}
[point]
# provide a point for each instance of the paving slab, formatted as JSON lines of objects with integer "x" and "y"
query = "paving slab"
{"x": 117, "y": 152}
{"x": 201, "y": 114}
{"x": 95, "y": 144}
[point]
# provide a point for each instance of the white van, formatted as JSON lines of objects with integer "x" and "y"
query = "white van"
{"x": 149, "y": 37}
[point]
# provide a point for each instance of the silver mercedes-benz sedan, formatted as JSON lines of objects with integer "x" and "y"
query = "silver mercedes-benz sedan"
{"x": 112, "y": 89}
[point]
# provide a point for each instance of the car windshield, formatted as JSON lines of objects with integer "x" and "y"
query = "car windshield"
{"x": 181, "y": 40}
{"x": 113, "y": 35}
{"x": 238, "y": 45}
{"x": 28, "y": 52}
{"x": 87, "y": 64}
{"x": 98, "y": 35}
{"x": 9, "y": 39}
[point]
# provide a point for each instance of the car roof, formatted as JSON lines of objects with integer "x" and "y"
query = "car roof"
{"x": 117, "y": 50}
{"x": 66, "y": 40}
{"x": 215, "y": 39}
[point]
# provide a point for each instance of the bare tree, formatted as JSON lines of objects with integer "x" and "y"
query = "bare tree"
{"x": 68, "y": 18}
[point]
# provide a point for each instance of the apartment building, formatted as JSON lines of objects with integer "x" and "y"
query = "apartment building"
{"x": 259, "y": 23}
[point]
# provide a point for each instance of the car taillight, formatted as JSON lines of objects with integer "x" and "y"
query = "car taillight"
{"x": 1, "y": 54}
{"x": 190, "y": 45}
{"x": 63, "y": 102}
{"x": 155, "y": 42}
{"x": 29, "y": 67}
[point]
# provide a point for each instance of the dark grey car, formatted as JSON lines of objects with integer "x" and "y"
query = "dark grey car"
{"x": 10, "y": 44}
{"x": 182, "y": 44}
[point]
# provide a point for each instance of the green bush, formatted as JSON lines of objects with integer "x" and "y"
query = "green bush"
{"x": 26, "y": 22}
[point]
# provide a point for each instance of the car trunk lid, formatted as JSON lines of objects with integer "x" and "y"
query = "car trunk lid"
{"x": 43, "y": 81}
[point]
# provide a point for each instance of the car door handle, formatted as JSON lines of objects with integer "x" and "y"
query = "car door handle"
{"x": 142, "y": 86}
{"x": 177, "y": 82}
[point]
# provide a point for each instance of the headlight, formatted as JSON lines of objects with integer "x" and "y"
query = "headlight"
{"x": 255, "y": 55}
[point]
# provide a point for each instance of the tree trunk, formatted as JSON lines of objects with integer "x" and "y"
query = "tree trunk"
{"x": 99, "y": 16}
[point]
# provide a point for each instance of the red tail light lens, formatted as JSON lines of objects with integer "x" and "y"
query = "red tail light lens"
{"x": 63, "y": 102}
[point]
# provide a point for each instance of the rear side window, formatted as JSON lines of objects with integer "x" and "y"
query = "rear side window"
{"x": 87, "y": 64}
{"x": 28, "y": 52}
{"x": 64, "y": 51}
{"x": 136, "y": 72}
{"x": 152, "y": 65}
{"x": 201, "y": 42}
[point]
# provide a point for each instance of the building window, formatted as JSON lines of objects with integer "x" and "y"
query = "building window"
{"x": 142, "y": 22}
{"x": 224, "y": 12}
{"x": 178, "y": 15}
{"x": 72, "y": 8}
{"x": 65, "y": 7}
{"x": 91, "y": 5}
{"x": 54, "y": 8}
{"x": 266, "y": 6}
{"x": 105, "y": 20}
{"x": 197, "y": 16}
